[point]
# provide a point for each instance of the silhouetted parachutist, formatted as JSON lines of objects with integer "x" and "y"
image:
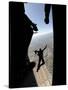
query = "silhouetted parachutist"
{"x": 20, "y": 31}
{"x": 40, "y": 54}
{"x": 30, "y": 27}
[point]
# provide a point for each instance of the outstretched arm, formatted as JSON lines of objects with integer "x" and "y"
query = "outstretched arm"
{"x": 47, "y": 12}
{"x": 36, "y": 51}
{"x": 45, "y": 47}
{"x": 30, "y": 22}
{"x": 27, "y": 19}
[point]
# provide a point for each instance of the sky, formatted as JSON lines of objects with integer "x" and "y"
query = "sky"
{"x": 35, "y": 11}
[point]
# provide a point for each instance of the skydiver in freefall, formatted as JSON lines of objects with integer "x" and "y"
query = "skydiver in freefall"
{"x": 40, "y": 54}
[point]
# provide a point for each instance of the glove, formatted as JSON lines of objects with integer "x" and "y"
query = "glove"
{"x": 46, "y": 20}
